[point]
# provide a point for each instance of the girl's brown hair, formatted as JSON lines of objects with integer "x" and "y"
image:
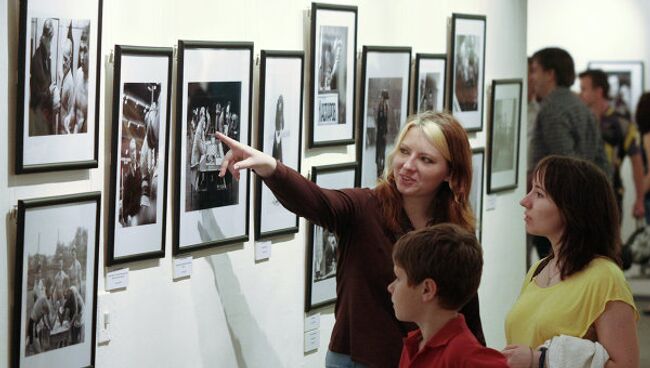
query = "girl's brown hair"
{"x": 588, "y": 208}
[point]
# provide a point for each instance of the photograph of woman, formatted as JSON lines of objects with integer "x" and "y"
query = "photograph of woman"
{"x": 427, "y": 181}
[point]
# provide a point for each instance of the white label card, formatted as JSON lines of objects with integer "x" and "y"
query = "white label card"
{"x": 491, "y": 202}
{"x": 117, "y": 279}
{"x": 312, "y": 322}
{"x": 182, "y": 267}
{"x": 312, "y": 340}
{"x": 262, "y": 250}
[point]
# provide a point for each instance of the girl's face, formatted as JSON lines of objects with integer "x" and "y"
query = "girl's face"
{"x": 542, "y": 215}
{"x": 419, "y": 168}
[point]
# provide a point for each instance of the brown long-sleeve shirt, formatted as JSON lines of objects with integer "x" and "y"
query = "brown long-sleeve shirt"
{"x": 365, "y": 327}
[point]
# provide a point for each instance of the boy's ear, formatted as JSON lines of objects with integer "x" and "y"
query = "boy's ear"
{"x": 429, "y": 290}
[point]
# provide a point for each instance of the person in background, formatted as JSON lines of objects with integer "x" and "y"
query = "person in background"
{"x": 620, "y": 136}
{"x": 427, "y": 181}
{"x": 643, "y": 122}
{"x": 429, "y": 289}
{"x": 564, "y": 125}
{"x": 579, "y": 290}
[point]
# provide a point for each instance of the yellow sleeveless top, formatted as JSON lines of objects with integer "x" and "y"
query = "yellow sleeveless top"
{"x": 569, "y": 307}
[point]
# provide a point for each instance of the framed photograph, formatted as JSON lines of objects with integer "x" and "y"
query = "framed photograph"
{"x": 467, "y": 69}
{"x": 503, "y": 135}
{"x": 322, "y": 243}
{"x": 385, "y": 86}
{"x": 476, "y": 193}
{"x": 333, "y": 74}
{"x": 210, "y": 210}
{"x": 58, "y": 85}
{"x": 430, "y": 81}
{"x": 55, "y": 294}
{"x": 626, "y": 84}
{"x": 138, "y": 194}
{"x": 279, "y": 134}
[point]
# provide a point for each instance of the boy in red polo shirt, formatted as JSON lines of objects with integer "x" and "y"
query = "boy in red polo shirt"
{"x": 437, "y": 270}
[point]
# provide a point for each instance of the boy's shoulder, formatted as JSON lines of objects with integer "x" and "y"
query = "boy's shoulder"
{"x": 468, "y": 352}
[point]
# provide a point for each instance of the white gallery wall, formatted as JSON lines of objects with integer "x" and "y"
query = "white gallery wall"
{"x": 601, "y": 30}
{"x": 233, "y": 311}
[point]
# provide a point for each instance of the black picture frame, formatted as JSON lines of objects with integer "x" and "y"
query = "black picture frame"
{"x": 429, "y": 93}
{"x": 56, "y": 231}
{"x": 51, "y": 136}
{"x": 476, "y": 192}
{"x": 320, "y": 289}
{"x": 330, "y": 98}
{"x": 623, "y": 74}
{"x": 142, "y": 81}
{"x": 385, "y": 77}
{"x": 281, "y": 80}
{"x": 503, "y": 135}
{"x": 208, "y": 210}
{"x": 467, "y": 49}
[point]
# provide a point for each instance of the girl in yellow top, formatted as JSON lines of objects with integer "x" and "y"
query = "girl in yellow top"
{"x": 579, "y": 289}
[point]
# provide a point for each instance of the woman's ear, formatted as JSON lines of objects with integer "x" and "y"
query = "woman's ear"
{"x": 429, "y": 290}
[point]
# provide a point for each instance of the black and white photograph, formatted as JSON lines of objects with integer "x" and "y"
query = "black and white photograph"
{"x": 626, "y": 84}
{"x": 503, "y": 135}
{"x": 141, "y": 96}
{"x": 384, "y": 90}
{"x": 476, "y": 192}
{"x": 279, "y": 134}
{"x": 57, "y": 113}
{"x": 56, "y": 281}
{"x": 322, "y": 244}
{"x": 333, "y": 66}
{"x": 210, "y": 101}
{"x": 430, "y": 82}
{"x": 212, "y": 107}
{"x": 325, "y": 245}
{"x": 467, "y": 69}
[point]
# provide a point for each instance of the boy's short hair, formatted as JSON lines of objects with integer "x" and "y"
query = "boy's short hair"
{"x": 446, "y": 253}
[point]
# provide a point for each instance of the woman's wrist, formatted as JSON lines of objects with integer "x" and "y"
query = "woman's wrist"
{"x": 536, "y": 355}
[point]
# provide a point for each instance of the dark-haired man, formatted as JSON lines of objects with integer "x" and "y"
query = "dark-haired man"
{"x": 564, "y": 125}
{"x": 620, "y": 136}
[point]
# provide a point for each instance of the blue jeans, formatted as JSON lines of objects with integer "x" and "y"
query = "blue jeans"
{"x": 337, "y": 360}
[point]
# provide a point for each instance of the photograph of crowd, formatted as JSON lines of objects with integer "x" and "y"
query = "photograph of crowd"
{"x": 325, "y": 245}
{"x": 504, "y": 130}
{"x": 139, "y": 150}
{"x": 620, "y": 92}
{"x": 58, "y": 76}
{"x": 332, "y": 74}
{"x": 56, "y": 288}
{"x": 211, "y": 107}
{"x": 467, "y": 63}
{"x": 383, "y": 121}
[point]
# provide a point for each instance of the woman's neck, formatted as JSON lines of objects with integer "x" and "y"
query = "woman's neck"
{"x": 417, "y": 210}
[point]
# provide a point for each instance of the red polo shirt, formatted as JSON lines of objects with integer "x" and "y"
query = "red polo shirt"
{"x": 453, "y": 346}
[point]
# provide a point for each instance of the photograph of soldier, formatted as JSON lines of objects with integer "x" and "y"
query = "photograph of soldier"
{"x": 56, "y": 284}
{"x": 383, "y": 117}
{"x": 466, "y": 73}
{"x": 58, "y": 76}
{"x": 140, "y": 126}
{"x": 212, "y": 107}
{"x": 429, "y": 87}
{"x": 331, "y": 57}
{"x": 325, "y": 245}
{"x": 504, "y": 130}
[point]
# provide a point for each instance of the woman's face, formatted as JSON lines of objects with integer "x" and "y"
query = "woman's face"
{"x": 542, "y": 215}
{"x": 419, "y": 168}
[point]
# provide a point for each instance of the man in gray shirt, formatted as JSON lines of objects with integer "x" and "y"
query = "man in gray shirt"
{"x": 564, "y": 125}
